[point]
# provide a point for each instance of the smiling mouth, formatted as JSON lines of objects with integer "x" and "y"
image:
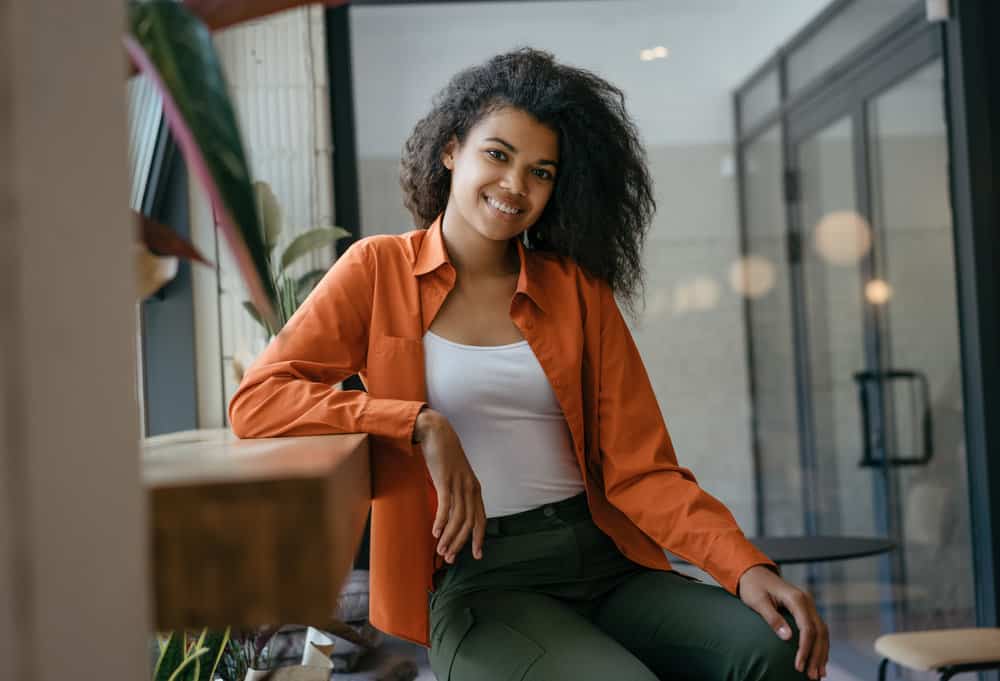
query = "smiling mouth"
{"x": 502, "y": 207}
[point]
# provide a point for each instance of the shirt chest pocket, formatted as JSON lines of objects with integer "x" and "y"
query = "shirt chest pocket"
{"x": 396, "y": 368}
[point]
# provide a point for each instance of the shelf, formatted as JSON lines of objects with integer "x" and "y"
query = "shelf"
{"x": 253, "y": 532}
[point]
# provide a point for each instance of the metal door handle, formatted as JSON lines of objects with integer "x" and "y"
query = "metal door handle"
{"x": 874, "y": 440}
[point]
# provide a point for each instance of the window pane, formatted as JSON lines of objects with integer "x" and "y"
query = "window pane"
{"x": 759, "y": 100}
{"x": 858, "y": 22}
{"x": 772, "y": 350}
{"x": 912, "y": 214}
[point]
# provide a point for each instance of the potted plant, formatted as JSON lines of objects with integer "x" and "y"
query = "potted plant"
{"x": 291, "y": 291}
{"x": 185, "y": 658}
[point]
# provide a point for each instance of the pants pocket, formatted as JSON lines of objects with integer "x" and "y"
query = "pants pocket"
{"x": 481, "y": 649}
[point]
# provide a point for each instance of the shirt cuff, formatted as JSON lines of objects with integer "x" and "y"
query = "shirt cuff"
{"x": 393, "y": 419}
{"x": 729, "y": 569}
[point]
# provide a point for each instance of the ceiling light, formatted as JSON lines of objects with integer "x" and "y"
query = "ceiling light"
{"x": 658, "y": 52}
{"x": 843, "y": 237}
{"x": 752, "y": 276}
{"x": 878, "y": 292}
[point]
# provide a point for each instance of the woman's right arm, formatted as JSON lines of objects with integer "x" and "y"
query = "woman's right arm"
{"x": 288, "y": 390}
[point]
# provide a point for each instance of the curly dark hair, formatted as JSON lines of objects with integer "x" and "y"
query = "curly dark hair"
{"x": 602, "y": 203}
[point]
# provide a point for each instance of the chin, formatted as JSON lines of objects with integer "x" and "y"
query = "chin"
{"x": 498, "y": 232}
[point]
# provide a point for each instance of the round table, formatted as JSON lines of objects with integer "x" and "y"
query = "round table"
{"x": 820, "y": 548}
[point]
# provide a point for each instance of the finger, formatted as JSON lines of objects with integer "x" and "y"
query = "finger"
{"x": 479, "y": 533}
{"x": 468, "y": 521}
{"x": 798, "y": 604}
{"x": 455, "y": 519}
{"x": 441, "y": 517}
{"x": 821, "y": 649}
{"x": 463, "y": 536}
{"x": 773, "y": 618}
{"x": 826, "y": 656}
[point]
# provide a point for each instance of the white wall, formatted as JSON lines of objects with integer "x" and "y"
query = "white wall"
{"x": 73, "y": 550}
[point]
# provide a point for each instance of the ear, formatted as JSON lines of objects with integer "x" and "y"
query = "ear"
{"x": 448, "y": 155}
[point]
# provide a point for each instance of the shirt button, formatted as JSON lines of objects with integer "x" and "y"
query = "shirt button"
{"x": 549, "y": 511}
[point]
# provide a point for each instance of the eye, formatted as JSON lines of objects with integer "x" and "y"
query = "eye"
{"x": 543, "y": 173}
{"x": 497, "y": 154}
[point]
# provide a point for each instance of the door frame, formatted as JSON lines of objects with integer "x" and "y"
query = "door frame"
{"x": 973, "y": 103}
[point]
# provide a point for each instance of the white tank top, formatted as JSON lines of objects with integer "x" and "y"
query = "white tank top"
{"x": 512, "y": 429}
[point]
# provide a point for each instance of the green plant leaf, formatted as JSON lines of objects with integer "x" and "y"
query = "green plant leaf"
{"x": 252, "y": 311}
{"x": 269, "y": 211}
{"x": 171, "y": 657}
{"x": 310, "y": 241}
{"x": 185, "y": 667}
{"x": 287, "y": 299}
{"x": 215, "y": 642}
{"x": 193, "y": 671}
{"x": 175, "y": 49}
{"x": 307, "y": 282}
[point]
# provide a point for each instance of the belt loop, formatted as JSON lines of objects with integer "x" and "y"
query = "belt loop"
{"x": 493, "y": 527}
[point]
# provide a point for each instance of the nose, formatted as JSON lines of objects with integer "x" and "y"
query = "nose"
{"x": 513, "y": 182}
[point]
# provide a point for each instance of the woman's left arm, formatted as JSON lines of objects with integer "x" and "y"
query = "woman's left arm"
{"x": 641, "y": 475}
{"x": 643, "y": 479}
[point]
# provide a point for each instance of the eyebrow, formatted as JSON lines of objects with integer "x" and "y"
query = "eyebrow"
{"x": 544, "y": 161}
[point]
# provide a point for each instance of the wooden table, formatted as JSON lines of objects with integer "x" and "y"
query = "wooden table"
{"x": 253, "y": 532}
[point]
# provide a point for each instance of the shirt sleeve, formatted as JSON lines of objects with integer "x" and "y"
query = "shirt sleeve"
{"x": 641, "y": 475}
{"x": 289, "y": 389}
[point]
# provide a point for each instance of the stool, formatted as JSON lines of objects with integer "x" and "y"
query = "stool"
{"x": 946, "y": 651}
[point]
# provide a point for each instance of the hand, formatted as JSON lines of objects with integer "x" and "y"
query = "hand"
{"x": 764, "y": 591}
{"x": 460, "y": 510}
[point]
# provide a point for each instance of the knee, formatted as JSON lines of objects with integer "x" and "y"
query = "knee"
{"x": 765, "y": 657}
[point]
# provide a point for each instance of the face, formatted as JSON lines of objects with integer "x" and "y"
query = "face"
{"x": 503, "y": 174}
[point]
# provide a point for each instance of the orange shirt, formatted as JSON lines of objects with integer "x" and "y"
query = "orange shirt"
{"x": 368, "y": 316}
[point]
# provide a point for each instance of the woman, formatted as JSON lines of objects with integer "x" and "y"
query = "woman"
{"x": 525, "y": 485}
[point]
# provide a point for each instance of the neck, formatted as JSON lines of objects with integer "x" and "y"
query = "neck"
{"x": 473, "y": 254}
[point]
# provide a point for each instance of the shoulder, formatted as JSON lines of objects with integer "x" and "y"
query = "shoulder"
{"x": 570, "y": 287}
{"x": 566, "y": 273}
{"x": 387, "y": 249}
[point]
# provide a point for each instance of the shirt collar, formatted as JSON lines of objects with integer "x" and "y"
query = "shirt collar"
{"x": 432, "y": 254}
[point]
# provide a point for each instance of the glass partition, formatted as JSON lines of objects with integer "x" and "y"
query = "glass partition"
{"x": 772, "y": 349}
{"x": 761, "y": 99}
{"x": 838, "y": 37}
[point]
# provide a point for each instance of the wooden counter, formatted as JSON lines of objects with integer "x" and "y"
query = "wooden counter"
{"x": 253, "y": 532}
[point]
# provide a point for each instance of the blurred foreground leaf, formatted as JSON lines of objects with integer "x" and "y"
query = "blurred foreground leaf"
{"x": 175, "y": 49}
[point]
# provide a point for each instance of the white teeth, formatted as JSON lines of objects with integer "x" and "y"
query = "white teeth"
{"x": 502, "y": 207}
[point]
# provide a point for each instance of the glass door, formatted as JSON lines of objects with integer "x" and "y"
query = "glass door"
{"x": 842, "y": 498}
{"x": 913, "y": 292}
{"x": 879, "y": 372}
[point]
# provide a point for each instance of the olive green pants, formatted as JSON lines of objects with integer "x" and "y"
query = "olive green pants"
{"x": 553, "y": 599}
